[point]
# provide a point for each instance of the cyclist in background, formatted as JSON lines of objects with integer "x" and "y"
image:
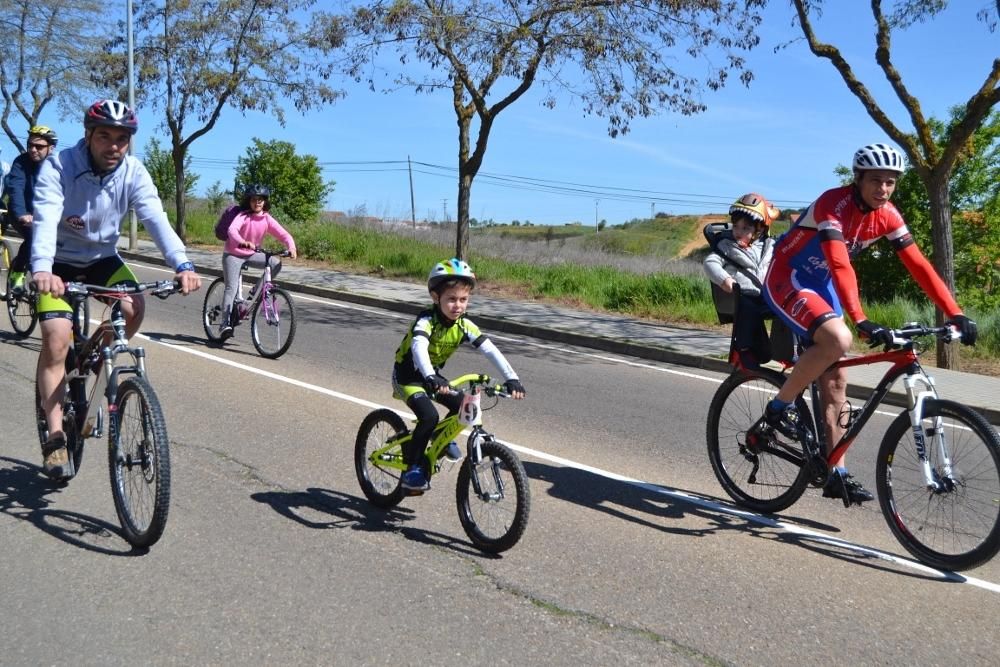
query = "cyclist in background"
{"x": 246, "y": 232}
{"x": 81, "y": 196}
{"x": 811, "y": 283}
{"x": 742, "y": 259}
{"x": 19, "y": 190}
{"x": 430, "y": 342}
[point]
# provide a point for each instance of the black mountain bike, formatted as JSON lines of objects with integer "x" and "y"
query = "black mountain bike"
{"x": 138, "y": 448}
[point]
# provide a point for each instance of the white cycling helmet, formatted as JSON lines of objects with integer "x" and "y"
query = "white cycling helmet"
{"x": 879, "y": 156}
{"x": 449, "y": 269}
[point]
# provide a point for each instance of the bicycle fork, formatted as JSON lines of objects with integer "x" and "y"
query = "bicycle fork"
{"x": 944, "y": 480}
{"x": 475, "y": 459}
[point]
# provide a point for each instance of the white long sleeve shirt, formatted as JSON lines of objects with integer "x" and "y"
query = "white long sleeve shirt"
{"x": 78, "y": 214}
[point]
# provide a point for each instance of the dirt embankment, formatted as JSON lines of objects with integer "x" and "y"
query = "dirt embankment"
{"x": 699, "y": 239}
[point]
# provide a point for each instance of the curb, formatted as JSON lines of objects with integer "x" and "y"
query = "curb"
{"x": 500, "y": 324}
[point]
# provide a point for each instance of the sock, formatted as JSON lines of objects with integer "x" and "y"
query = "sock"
{"x": 777, "y": 405}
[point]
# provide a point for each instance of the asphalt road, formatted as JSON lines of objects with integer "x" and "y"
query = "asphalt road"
{"x": 272, "y": 555}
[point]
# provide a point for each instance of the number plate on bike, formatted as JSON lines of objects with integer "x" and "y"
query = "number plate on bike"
{"x": 470, "y": 414}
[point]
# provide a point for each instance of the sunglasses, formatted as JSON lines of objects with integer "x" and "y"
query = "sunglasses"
{"x": 38, "y": 147}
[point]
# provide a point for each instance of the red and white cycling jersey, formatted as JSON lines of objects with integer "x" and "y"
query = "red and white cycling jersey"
{"x": 815, "y": 255}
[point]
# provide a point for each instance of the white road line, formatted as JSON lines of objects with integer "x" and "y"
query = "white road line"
{"x": 648, "y": 486}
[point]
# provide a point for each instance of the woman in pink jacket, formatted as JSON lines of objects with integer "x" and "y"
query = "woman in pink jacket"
{"x": 245, "y": 235}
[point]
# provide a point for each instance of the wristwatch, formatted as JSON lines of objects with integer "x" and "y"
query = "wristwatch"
{"x": 186, "y": 266}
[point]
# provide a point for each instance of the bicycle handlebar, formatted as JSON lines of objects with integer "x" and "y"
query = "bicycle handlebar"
{"x": 905, "y": 334}
{"x": 160, "y": 288}
{"x": 269, "y": 253}
{"x": 480, "y": 380}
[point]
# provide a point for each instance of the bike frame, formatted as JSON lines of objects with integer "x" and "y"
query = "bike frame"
{"x": 447, "y": 429}
{"x": 905, "y": 363}
{"x": 261, "y": 288}
{"x": 88, "y": 356}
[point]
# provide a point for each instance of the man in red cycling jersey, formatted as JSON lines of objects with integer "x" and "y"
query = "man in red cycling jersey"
{"x": 811, "y": 283}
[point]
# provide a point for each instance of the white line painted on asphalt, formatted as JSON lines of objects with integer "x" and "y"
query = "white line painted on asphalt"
{"x": 647, "y": 486}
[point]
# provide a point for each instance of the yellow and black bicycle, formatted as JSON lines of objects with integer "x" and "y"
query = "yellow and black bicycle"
{"x": 492, "y": 489}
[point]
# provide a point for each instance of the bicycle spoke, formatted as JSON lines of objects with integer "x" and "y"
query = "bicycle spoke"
{"x": 957, "y": 525}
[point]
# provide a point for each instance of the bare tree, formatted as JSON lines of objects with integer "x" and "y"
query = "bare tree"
{"x": 48, "y": 51}
{"x": 622, "y": 59}
{"x": 195, "y": 57}
{"x": 931, "y": 160}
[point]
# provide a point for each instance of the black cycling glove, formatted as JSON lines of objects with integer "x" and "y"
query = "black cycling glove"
{"x": 510, "y": 386}
{"x": 967, "y": 327}
{"x": 875, "y": 333}
{"x": 434, "y": 383}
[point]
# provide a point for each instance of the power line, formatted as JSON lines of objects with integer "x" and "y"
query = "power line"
{"x": 513, "y": 182}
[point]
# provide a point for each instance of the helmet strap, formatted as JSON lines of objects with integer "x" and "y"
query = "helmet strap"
{"x": 856, "y": 194}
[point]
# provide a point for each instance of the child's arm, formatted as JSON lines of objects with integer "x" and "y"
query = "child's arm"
{"x": 280, "y": 233}
{"x": 511, "y": 382}
{"x": 715, "y": 268}
{"x": 434, "y": 383}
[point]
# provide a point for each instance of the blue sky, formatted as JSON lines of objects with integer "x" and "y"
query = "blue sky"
{"x": 782, "y": 137}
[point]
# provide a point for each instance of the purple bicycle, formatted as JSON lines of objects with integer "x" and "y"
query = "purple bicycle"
{"x": 270, "y": 309}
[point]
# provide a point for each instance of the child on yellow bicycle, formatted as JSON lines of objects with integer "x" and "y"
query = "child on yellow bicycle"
{"x": 430, "y": 342}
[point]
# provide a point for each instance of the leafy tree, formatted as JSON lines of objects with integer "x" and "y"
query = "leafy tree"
{"x": 196, "y": 57}
{"x": 931, "y": 160}
{"x": 160, "y": 166}
{"x": 974, "y": 193}
{"x": 296, "y": 181}
{"x": 47, "y": 57}
{"x": 620, "y": 58}
{"x": 217, "y": 197}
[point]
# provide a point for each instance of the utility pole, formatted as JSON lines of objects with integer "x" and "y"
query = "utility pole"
{"x": 444, "y": 209}
{"x": 413, "y": 208}
{"x": 133, "y": 227}
{"x": 597, "y": 226}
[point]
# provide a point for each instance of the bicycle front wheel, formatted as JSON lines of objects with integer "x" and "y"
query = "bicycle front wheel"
{"x": 765, "y": 472}
{"x": 380, "y": 484}
{"x": 493, "y": 498}
{"x": 212, "y": 312}
{"x": 272, "y": 327}
{"x": 6, "y": 257}
{"x": 139, "y": 462}
{"x": 957, "y": 525}
{"x": 21, "y": 310}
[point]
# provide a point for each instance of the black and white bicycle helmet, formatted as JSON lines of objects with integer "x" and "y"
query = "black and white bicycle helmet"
{"x": 879, "y": 156}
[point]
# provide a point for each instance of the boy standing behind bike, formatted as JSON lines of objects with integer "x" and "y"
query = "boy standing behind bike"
{"x": 430, "y": 342}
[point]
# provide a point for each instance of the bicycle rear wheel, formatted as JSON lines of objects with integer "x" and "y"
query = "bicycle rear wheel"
{"x": 6, "y": 257}
{"x": 764, "y": 472}
{"x": 212, "y": 311}
{"x": 272, "y": 326}
{"x": 493, "y": 498}
{"x": 958, "y": 526}
{"x": 21, "y": 310}
{"x": 139, "y": 463}
{"x": 379, "y": 484}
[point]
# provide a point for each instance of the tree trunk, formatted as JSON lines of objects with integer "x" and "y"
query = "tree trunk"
{"x": 464, "y": 195}
{"x": 944, "y": 258}
{"x": 180, "y": 224}
{"x": 466, "y": 172}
